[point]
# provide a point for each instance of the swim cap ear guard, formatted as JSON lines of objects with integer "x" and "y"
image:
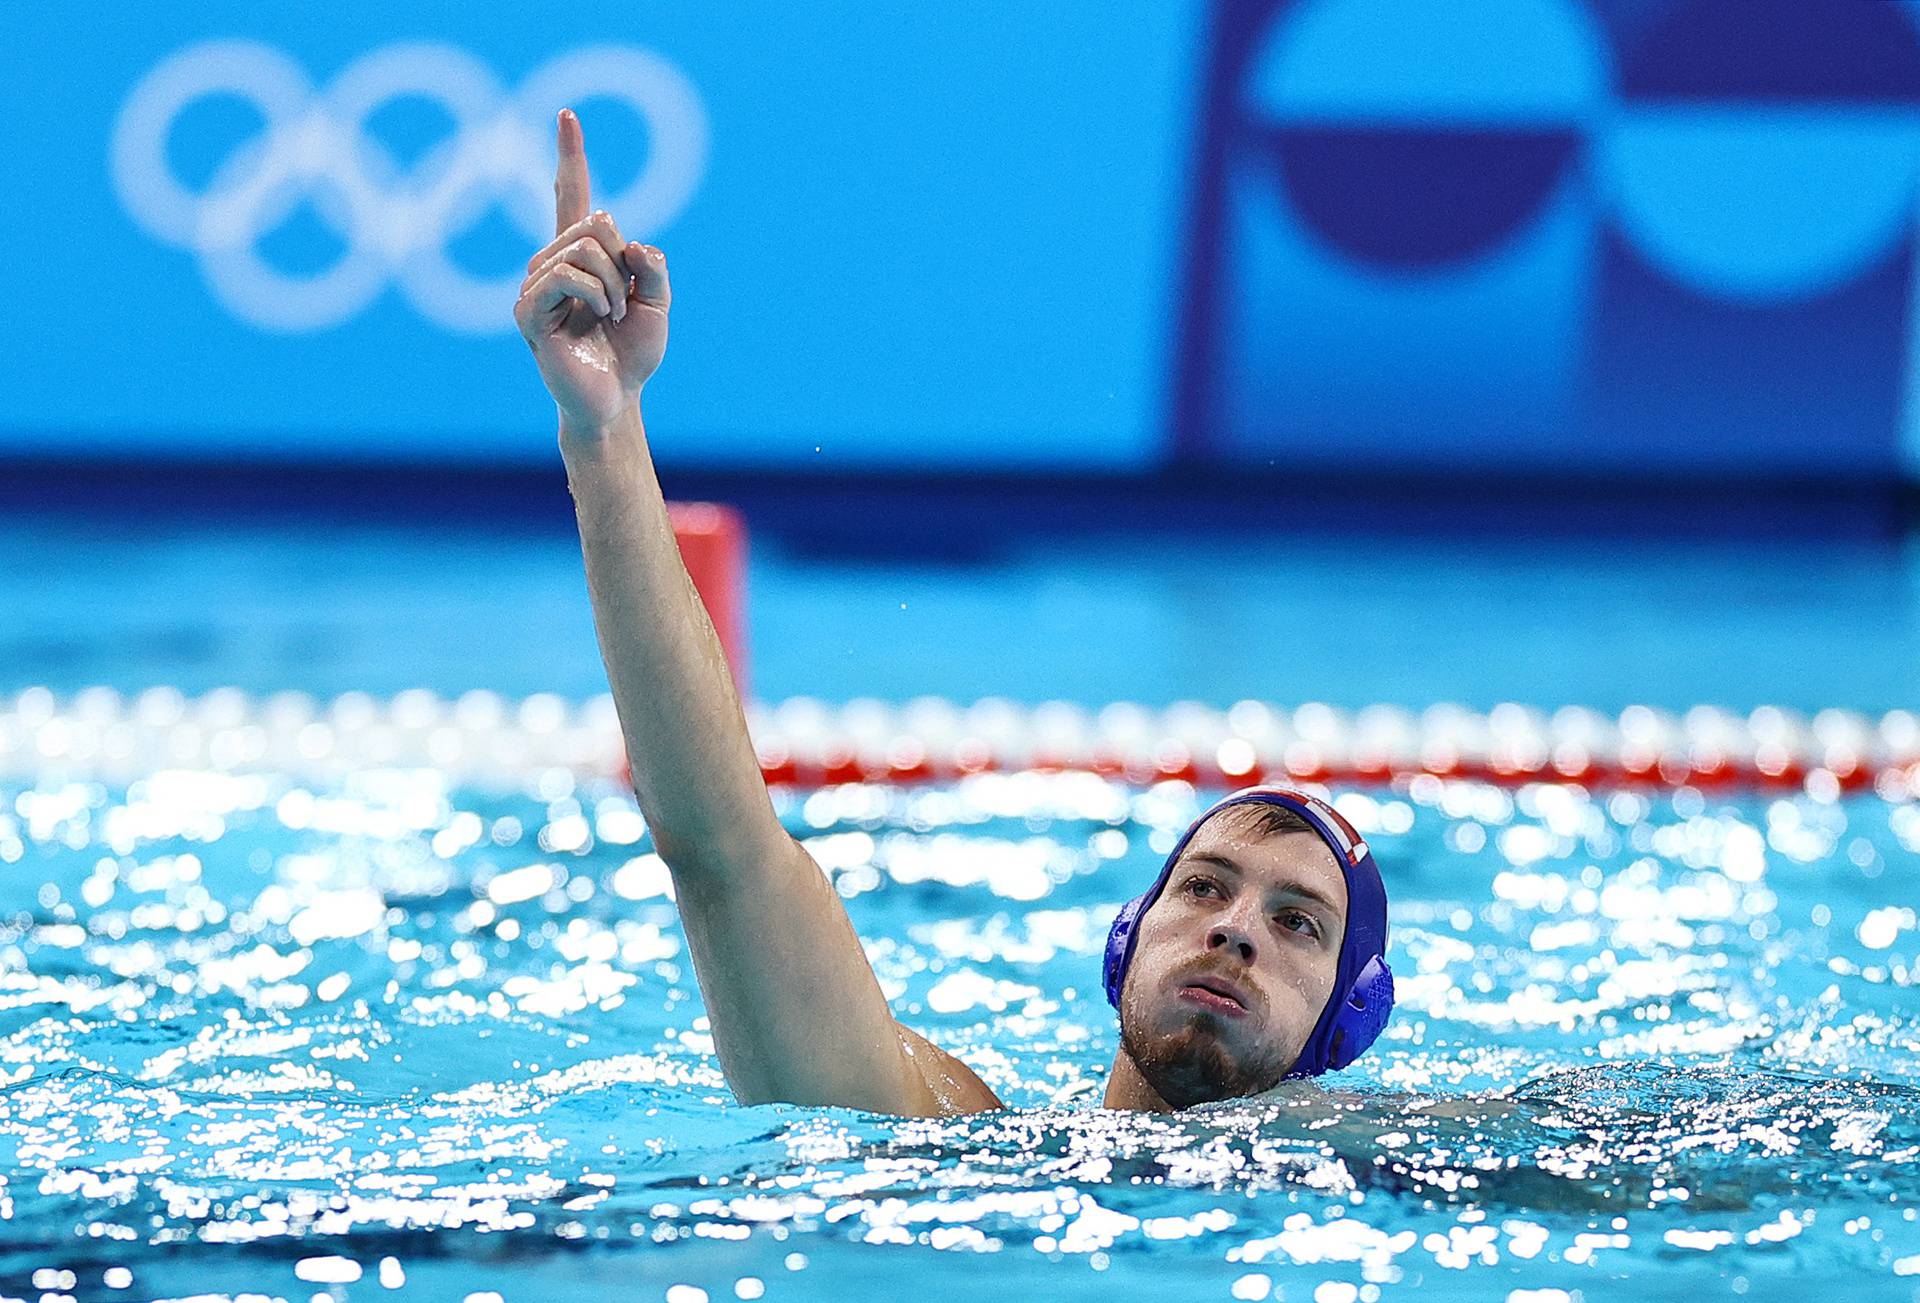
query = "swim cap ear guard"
{"x": 1363, "y": 984}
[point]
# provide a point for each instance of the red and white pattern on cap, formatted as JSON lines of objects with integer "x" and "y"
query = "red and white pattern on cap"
{"x": 1350, "y": 842}
{"x": 1348, "y": 837}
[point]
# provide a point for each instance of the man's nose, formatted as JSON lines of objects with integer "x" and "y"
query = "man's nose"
{"x": 1235, "y": 932}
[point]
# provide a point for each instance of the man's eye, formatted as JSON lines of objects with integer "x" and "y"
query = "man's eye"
{"x": 1295, "y": 921}
{"x": 1197, "y": 885}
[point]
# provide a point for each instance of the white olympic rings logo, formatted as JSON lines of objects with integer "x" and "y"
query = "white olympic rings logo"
{"x": 395, "y": 222}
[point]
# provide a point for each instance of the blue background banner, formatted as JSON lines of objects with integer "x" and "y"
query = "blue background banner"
{"x": 1644, "y": 235}
{"x": 1666, "y": 236}
{"x": 899, "y": 235}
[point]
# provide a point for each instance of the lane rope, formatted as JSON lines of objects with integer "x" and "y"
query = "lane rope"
{"x": 101, "y": 733}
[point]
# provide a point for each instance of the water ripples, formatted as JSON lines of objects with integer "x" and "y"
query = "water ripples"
{"x": 258, "y": 1036}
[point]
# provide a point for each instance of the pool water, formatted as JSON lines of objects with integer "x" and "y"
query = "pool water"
{"x": 259, "y": 1035}
{"x": 1638, "y": 616}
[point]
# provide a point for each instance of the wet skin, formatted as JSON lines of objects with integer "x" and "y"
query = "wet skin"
{"x": 1231, "y": 972}
{"x": 1234, "y": 963}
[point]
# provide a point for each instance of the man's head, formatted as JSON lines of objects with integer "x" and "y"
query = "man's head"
{"x": 1242, "y": 965}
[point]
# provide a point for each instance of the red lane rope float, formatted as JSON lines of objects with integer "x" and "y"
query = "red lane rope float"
{"x": 805, "y": 743}
{"x": 839, "y": 765}
{"x": 810, "y": 743}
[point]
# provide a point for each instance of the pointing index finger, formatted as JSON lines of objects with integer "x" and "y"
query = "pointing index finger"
{"x": 570, "y": 182}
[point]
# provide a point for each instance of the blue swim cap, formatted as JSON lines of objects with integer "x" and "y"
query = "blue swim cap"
{"x": 1362, "y": 984}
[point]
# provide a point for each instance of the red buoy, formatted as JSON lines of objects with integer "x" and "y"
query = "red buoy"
{"x": 713, "y": 544}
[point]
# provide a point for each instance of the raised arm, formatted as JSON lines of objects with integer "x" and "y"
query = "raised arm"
{"x": 797, "y": 1013}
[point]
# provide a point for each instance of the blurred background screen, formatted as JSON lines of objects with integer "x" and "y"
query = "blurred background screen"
{"x": 949, "y": 235}
{"x": 1651, "y": 237}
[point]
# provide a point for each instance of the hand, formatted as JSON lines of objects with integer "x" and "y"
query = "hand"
{"x": 594, "y": 305}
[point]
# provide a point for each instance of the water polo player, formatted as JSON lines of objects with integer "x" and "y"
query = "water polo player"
{"x": 1257, "y": 954}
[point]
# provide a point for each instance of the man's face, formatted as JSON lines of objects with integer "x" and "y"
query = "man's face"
{"x": 1234, "y": 962}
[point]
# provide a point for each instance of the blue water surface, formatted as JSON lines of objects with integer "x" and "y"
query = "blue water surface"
{"x": 262, "y": 1035}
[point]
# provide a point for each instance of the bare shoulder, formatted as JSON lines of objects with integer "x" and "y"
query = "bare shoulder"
{"x": 955, "y": 1087}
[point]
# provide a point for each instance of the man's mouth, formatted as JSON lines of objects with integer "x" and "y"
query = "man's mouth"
{"x": 1221, "y": 997}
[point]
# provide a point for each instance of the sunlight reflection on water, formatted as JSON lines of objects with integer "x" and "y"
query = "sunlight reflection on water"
{"x": 256, "y": 1035}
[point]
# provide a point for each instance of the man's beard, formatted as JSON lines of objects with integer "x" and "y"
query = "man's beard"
{"x": 1191, "y": 1065}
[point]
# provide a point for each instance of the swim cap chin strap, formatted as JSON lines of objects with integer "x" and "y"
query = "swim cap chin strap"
{"x": 1363, "y": 985}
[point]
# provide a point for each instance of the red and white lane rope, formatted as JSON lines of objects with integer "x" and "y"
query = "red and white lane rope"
{"x": 101, "y": 733}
